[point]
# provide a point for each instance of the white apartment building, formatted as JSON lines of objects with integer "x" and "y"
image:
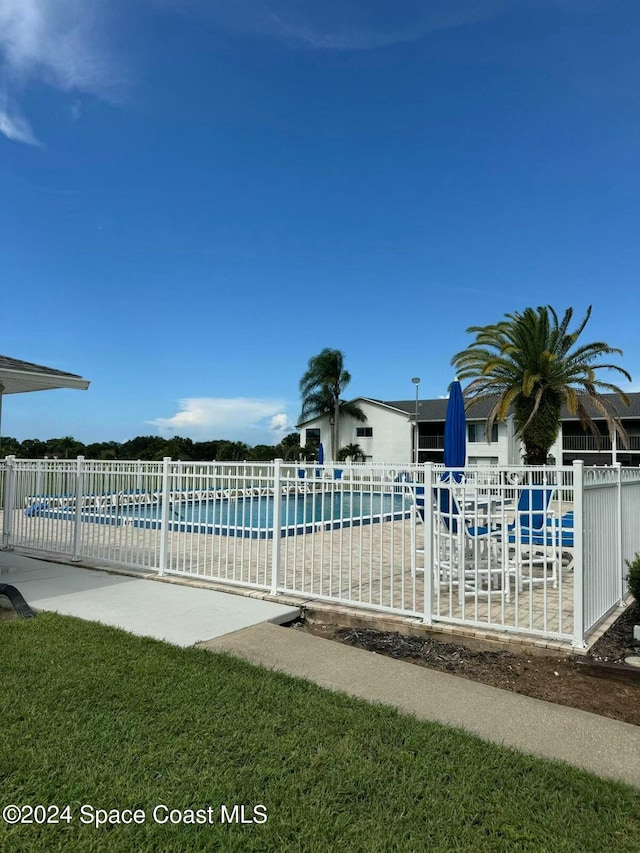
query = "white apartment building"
{"x": 390, "y": 435}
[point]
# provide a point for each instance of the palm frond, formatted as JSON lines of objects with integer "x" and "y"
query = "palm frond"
{"x": 353, "y": 411}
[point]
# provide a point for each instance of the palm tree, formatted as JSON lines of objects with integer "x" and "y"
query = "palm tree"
{"x": 351, "y": 451}
{"x": 321, "y": 387}
{"x": 530, "y": 361}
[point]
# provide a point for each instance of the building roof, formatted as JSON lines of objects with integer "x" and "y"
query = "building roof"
{"x": 19, "y": 376}
{"x": 436, "y": 410}
{"x": 430, "y": 411}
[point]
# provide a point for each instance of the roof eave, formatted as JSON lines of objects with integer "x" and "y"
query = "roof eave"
{"x": 27, "y": 380}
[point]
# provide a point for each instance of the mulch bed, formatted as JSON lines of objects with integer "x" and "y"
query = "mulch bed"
{"x": 564, "y": 680}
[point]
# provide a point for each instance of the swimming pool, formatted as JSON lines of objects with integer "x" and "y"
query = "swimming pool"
{"x": 251, "y": 516}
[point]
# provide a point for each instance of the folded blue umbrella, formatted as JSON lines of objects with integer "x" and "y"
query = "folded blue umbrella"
{"x": 455, "y": 433}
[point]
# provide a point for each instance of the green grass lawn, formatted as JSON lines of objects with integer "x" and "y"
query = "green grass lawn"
{"x": 93, "y": 716}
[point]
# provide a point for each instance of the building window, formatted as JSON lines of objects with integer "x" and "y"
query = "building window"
{"x": 364, "y": 432}
{"x": 476, "y": 432}
{"x": 313, "y": 437}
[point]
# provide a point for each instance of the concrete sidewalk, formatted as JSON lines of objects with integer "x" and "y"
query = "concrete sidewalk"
{"x": 602, "y": 746}
{"x": 174, "y": 612}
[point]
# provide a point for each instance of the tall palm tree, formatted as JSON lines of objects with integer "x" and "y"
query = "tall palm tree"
{"x": 530, "y": 361}
{"x": 320, "y": 389}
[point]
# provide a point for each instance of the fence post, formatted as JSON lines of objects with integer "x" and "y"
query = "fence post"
{"x": 578, "y": 554}
{"x": 9, "y": 492}
{"x": 164, "y": 515}
{"x": 276, "y": 526}
{"x": 38, "y": 478}
{"x": 619, "y": 531}
{"x": 428, "y": 545}
{"x": 77, "y": 509}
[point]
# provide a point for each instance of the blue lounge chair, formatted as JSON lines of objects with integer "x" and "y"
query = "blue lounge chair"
{"x": 558, "y": 532}
{"x": 563, "y": 539}
{"x": 532, "y": 535}
{"x": 532, "y": 512}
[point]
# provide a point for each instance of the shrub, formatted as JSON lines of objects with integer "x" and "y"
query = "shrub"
{"x": 633, "y": 578}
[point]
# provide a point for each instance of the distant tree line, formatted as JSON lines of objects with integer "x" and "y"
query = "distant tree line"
{"x": 152, "y": 447}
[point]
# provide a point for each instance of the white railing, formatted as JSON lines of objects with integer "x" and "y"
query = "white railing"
{"x": 517, "y": 549}
{"x": 601, "y": 562}
{"x": 590, "y": 442}
{"x": 611, "y": 506}
{"x": 629, "y": 515}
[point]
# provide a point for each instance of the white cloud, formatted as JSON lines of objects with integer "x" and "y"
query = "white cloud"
{"x": 15, "y": 126}
{"x": 280, "y": 423}
{"x": 237, "y": 418}
{"x": 61, "y": 43}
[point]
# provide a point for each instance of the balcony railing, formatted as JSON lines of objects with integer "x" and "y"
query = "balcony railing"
{"x": 585, "y": 442}
{"x": 431, "y": 442}
{"x": 589, "y": 442}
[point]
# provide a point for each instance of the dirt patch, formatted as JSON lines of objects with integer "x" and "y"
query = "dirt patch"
{"x": 553, "y": 678}
{"x": 6, "y": 615}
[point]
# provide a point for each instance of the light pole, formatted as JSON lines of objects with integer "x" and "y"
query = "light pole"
{"x": 416, "y": 382}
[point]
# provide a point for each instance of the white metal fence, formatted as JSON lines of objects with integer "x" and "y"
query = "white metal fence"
{"x": 611, "y": 506}
{"x": 536, "y": 551}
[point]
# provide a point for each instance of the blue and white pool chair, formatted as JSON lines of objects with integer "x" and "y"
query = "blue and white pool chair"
{"x": 419, "y": 501}
{"x": 562, "y": 529}
{"x": 536, "y": 556}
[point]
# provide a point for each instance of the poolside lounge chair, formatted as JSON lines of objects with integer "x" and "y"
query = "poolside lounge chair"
{"x": 534, "y": 542}
{"x": 558, "y": 535}
{"x": 562, "y": 532}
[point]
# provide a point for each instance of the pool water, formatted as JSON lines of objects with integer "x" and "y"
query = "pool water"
{"x": 248, "y": 516}
{"x": 256, "y": 513}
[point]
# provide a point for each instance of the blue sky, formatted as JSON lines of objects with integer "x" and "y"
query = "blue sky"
{"x": 198, "y": 195}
